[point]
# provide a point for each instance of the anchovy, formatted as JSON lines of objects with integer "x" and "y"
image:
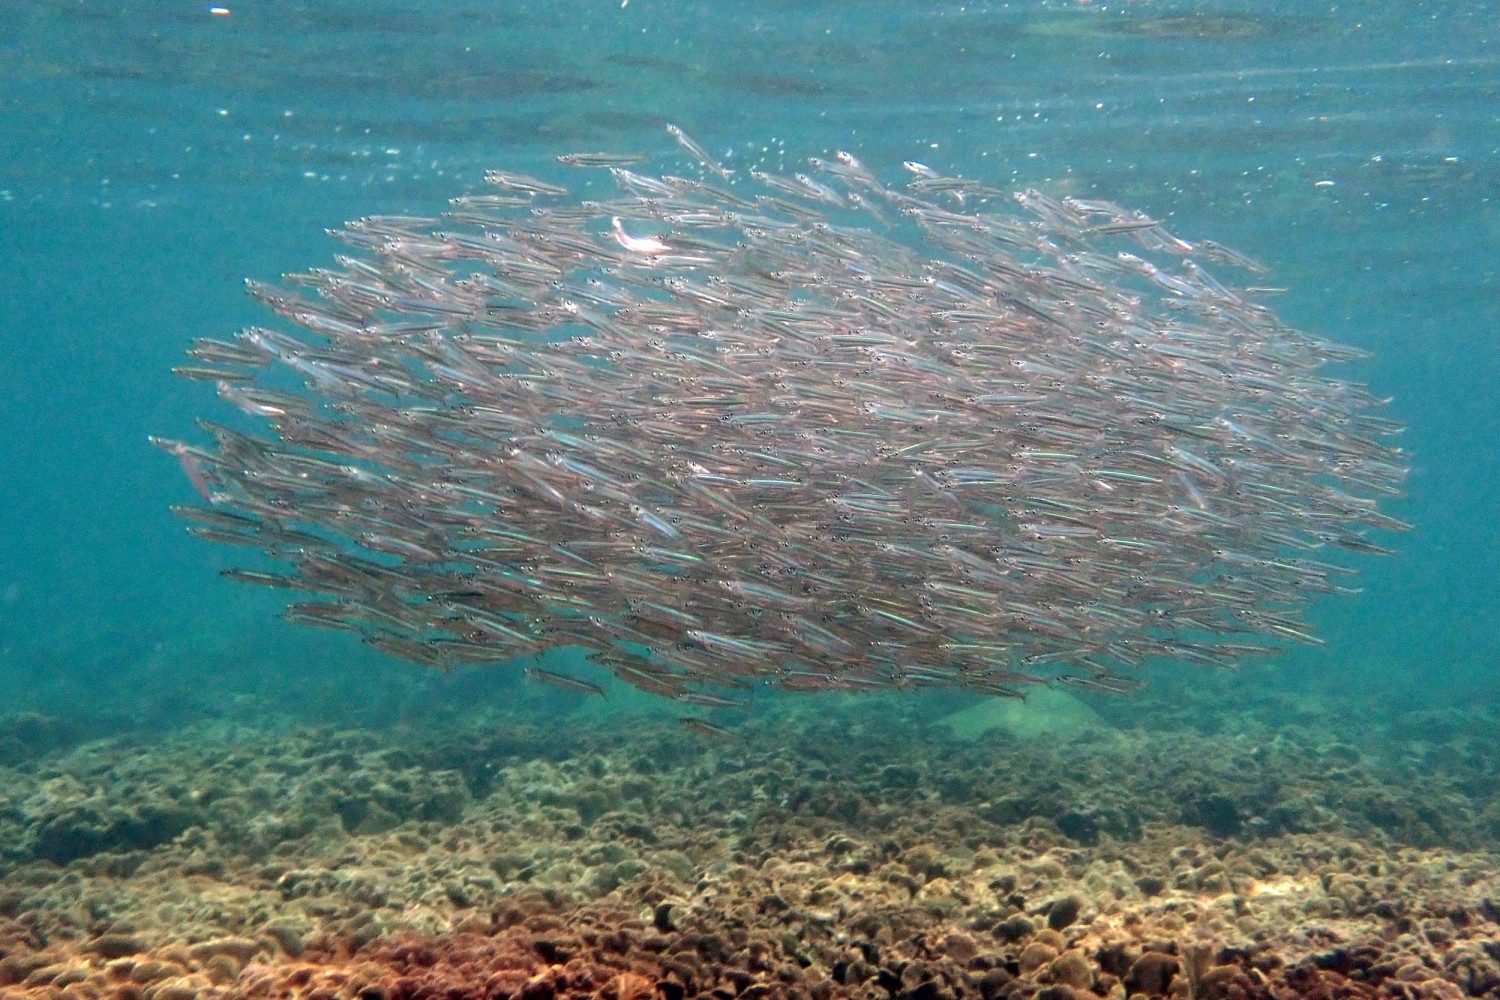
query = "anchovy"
{"x": 600, "y": 159}
{"x": 706, "y": 728}
{"x": 563, "y": 681}
{"x": 698, "y": 153}
{"x": 727, "y": 435}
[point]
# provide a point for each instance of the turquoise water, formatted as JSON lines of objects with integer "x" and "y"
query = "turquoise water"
{"x": 152, "y": 155}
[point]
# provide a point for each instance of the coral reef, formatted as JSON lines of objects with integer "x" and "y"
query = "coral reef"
{"x": 865, "y": 856}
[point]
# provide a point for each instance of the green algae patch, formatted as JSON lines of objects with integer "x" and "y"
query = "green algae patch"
{"x": 1045, "y": 712}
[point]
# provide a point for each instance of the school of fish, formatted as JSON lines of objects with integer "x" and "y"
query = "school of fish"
{"x": 805, "y": 430}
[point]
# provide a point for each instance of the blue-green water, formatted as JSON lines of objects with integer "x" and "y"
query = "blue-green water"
{"x": 152, "y": 155}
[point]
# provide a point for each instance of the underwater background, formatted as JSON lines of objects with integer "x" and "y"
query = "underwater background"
{"x": 181, "y": 768}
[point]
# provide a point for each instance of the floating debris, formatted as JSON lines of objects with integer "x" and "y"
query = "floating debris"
{"x": 808, "y": 430}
